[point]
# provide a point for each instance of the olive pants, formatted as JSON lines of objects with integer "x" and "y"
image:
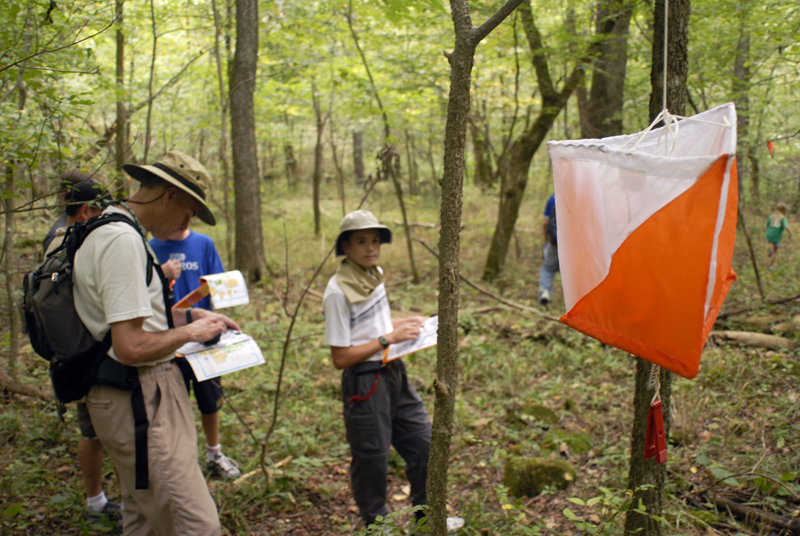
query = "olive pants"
{"x": 392, "y": 416}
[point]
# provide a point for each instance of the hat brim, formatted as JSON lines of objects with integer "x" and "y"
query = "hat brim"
{"x": 385, "y": 232}
{"x": 140, "y": 172}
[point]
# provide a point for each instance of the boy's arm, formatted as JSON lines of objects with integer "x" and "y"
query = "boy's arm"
{"x": 352, "y": 355}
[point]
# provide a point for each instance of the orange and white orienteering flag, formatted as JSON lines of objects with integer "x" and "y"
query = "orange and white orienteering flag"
{"x": 646, "y": 236}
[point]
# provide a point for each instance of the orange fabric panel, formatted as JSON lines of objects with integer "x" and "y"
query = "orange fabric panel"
{"x": 727, "y": 239}
{"x": 652, "y": 302}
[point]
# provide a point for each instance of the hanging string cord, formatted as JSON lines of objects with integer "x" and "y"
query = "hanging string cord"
{"x": 654, "y": 382}
{"x": 671, "y": 122}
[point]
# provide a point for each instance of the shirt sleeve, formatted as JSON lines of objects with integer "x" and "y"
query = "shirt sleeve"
{"x": 337, "y": 320}
{"x": 216, "y": 262}
{"x": 549, "y": 206}
{"x": 121, "y": 270}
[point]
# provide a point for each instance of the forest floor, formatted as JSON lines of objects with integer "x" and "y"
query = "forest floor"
{"x": 734, "y": 429}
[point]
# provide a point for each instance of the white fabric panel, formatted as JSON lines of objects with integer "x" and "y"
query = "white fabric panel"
{"x": 604, "y": 192}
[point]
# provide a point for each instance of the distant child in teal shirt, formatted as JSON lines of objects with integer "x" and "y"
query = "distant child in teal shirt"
{"x": 776, "y": 224}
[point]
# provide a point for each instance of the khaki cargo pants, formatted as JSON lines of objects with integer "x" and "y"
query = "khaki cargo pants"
{"x": 177, "y": 501}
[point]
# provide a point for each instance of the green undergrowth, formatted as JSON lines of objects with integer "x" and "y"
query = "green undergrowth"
{"x": 735, "y": 426}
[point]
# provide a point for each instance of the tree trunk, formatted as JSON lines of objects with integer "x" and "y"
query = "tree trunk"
{"x": 8, "y": 269}
{"x": 480, "y": 154}
{"x": 317, "y": 177}
{"x": 601, "y": 115}
{"x": 358, "y": 158}
{"x": 461, "y": 60}
{"x": 514, "y": 168}
{"x": 121, "y": 113}
{"x": 648, "y": 471}
{"x": 339, "y": 170}
{"x": 290, "y": 165}
{"x": 147, "y": 136}
{"x": 249, "y": 237}
{"x": 223, "y": 139}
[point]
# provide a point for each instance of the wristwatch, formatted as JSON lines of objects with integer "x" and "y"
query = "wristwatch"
{"x": 189, "y": 315}
{"x": 383, "y": 342}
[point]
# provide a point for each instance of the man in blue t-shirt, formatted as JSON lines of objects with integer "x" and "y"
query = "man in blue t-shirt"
{"x": 550, "y": 252}
{"x": 197, "y": 256}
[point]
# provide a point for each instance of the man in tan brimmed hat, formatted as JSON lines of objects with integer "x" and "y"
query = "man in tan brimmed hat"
{"x": 163, "y": 489}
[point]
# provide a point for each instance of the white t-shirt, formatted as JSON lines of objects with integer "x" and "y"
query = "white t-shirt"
{"x": 110, "y": 282}
{"x": 350, "y": 325}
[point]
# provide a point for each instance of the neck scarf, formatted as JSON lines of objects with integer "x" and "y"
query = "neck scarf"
{"x": 357, "y": 283}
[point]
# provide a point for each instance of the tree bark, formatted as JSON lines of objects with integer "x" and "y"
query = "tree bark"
{"x": 741, "y": 89}
{"x": 358, "y": 158}
{"x": 249, "y": 237}
{"x": 514, "y": 169}
{"x": 122, "y": 119}
{"x": 602, "y": 112}
{"x": 317, "y": 177}
{"x": 461, "y": 60}
{"x": 290, "y": 165}
{"x": 223, "y": 138}
{"x": 648, "y": 471}
{"x": 147, "y": 137}
{"x": 339, "y": 170}
{"x": 8, "y": 269}
{"x": 480, "y": 155}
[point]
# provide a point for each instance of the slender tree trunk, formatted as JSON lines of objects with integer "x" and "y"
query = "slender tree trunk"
{"x": 339, "y": 170}
{"x": 8, "y": 269}
{"x": 483, "y": 172}
{"x": 147, "y": 137}
{"x": 249, "y": 237}
{"x": 121, "y": 113}
{"x": 741, "y": 96}
{"x": 358, "y": 158}
{"x": 290, "y": 165}
{"x": 461, "y": 60}
{"x": 317, "y": 177}
{"x": 412, "y": 168}
{"x": 648, "y": 472}
{"x": 223, "y": 138}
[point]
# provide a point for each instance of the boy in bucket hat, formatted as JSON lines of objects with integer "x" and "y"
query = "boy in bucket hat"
{"x": 381, "y": 408}
{"x": 163, "y": 488}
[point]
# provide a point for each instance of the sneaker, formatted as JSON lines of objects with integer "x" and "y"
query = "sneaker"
{"x": 223, "y": 467}
{"x": 417, "y": 528}
{"x": 544, "y": 297}
{"x": 111, "y": 511}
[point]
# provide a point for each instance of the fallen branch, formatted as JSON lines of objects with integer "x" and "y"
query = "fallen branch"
{"x": 501, "y": 299}
{"x": 752, "y": 515}
{"x": 417, "y": 224}
{"x": 726, "y": 314}
{"x": 758, "y": 340}
{"x": 8, "y": 384}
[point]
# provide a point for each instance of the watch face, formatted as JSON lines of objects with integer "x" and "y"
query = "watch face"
{"x": 383, "y": 341}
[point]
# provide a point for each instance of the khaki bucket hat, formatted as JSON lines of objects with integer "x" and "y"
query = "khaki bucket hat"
{"x": 358, "y": 220}
{"x": 182, "y": 171}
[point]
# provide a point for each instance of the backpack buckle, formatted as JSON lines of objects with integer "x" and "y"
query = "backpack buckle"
{"x": 54, "y": 277}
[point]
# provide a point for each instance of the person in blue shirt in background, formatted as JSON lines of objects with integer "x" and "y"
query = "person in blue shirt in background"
{"x": 186, "y": 256}
{"x": 550, "y": 252}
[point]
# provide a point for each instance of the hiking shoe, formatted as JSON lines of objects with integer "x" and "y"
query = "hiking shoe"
{"x": 544, "y": 297}
{"x": 223, "y": 467}
{"x": 111, "y": 511}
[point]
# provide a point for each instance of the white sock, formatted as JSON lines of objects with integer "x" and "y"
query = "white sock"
{"x": 98, "y": 502}
{"x": 211, "y": 452}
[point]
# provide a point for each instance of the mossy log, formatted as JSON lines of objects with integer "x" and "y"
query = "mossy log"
{"x": 527, "y": 477}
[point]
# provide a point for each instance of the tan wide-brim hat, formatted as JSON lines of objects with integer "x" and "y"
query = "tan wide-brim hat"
{"x": 182, "y": 171}
{"x": 358, "y": 220}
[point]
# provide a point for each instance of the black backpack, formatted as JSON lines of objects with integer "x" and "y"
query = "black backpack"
{"x": 54, "y": 328}
{"x": 552, "y": 227}
{"x": 77, "y": 360}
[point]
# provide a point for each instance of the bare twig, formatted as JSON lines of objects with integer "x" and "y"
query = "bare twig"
{"x": 479, "y": 288}
{"x": 49, "y": 50}
{"x": 726, "y": 314}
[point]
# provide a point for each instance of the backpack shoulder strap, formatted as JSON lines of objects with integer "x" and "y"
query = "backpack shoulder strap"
{"x": 82, "y": 231}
